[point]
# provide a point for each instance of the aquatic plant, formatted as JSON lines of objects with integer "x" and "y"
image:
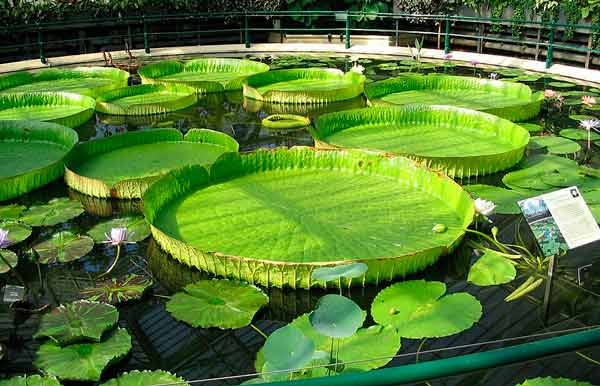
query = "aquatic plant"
{"x": 117, "y": 238}
{"x": 137, "y": 228}
{"x": 117, "y": 289}
{"x": 339, "y": 272}
{"x": 505, "y": 200}
{"x": 56, "y": 211}
{"x": 146, "y": 99}
{"x": 588, "y": 100}
{"x": 285, "y": 122}
{"x": 287, "y": 348}
{"x": 589, "y": 125}
{"x": 8, "y": 259}
{"x": 336, "y": 316}
{"x": 30, "y": 380}
{"x": 549, "y": 381}
{"x": 493, "y": 268}
{"x": 554, "y": 145}
{"x": 33, "y": 155}
{"x": 145, "y": 378}
{"x": 63, "y": 247}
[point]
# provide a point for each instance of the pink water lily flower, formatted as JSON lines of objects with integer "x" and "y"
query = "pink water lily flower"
{"x": 118, "y": 236}
{"x": 447, "y": 56}
{"x": 550, "y": 94}
{"x": 4, "y": 241}
{"x": 588, "y": 100}
{"x": 473, "y": 62}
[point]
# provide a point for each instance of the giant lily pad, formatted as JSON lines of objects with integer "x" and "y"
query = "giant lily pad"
{"x": 83, "y": 361}
{"x": 336, "y": 316}
{"x": 492, "y": 268}
{"x": 11, "y": 212}
{"x": 146, "y": 378}
{"x": 146, "y": 99}
{"x": 304, "y": 85}
{"x": 17, "y": 231}
{"x": 338, "y": 272}
{"x": 281, "y": 204}
{"x": 287, "y": 349}
{"x": 124, "y": 166}
{"x": 90, "y": 81}
{"x": 217, "y": 303}
{"x": 505, "y": 200}
{"x": 137, "y": 228}
{"x": 368, "y": 349}
{"x": 8, "y": 257}
{"x": 555, "y": 145}
{"x": 30, "y": 380}
{"x": 77, "y": 321}
{"x": 63, "y": 108}
{"x": 529, "y": 178}
{"x": 31, "y": 155}
{"x": 549, "y": 381}
{"x": 56, "y": 211}
{"x": 459, "y": 142}
{"x": 117, "y": 290}
{"x": 418, "y": 309}
{"x": 63, "y": 247}
{"x": 205, "y": 75}
{"x": 508, "y": 100}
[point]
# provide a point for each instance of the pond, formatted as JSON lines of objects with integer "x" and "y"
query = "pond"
{"x": 159, "y": 341}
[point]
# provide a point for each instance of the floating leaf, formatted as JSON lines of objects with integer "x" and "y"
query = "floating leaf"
{"x": 146, "y": 378}
{"x": 336, "y": 316}
{"x": 563, "y": 179}
{"x": 137, "y": 228}
{"x": 418, "y": 309}
{"x": 287, "y": 348}
{"x": 505, "y": 200}
{"x": 560, "y": 84}
{"x": 572, "y": 102}
{"x": 77, "y": 321}
{"x": 581, "y": 117}
{"x": 63, "y": 247}
{"x": 10, "y": 257}
{"x": 11, "y": 212}
{"x": 347, "y": 271}
{"x": 117, "y": 290}
{"x": 533, "y": 168}
{"x": 17, "y": 231}
{"x": 531, "y": 127}
{"x": 555, "y": 145}
{"x": 493, "y": 268}
{"x": 579, "y": 134}
{"x": 549, "y": 381}
{"x": 56, "y": 211}
{"x": 217, "y": 303}
{"x": 146, "y": 99}
{"x": 30, "y": 380}
{"x": 83, "y": 361}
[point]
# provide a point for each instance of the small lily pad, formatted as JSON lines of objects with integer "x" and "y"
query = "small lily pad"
{"x": 531, "y": 127}
{"x": 30, "y": 380}
{"x": 549, "y": 381}
{"x": 505, "y": 199}
{"x": 63, "y": 247}
{"x": 595, "y": 90}
{"x": 347, "y": 271}
{"x": 492, "y": 268}
{"x": 572, "y": 102}
{"x": 17, "y": 231}
{"x": 578, "y": 134}
{"x": 563, "y": 179}
{"x": 56, "y": 211}
{"x": 336, "y": 316}
{"x": 509, "y": 71}
{"x": 146, "y": 378}
{"x": 11, "y": 212}
{"x": 581, "y": 117}
{"x": 217, "y": 303}
{"x": 418, "y": 309}
{"x": 561, "y": 84}
{"x": 117, "y": 290}
{"x": 77, "y": 321}
{"x": 288, "y": 349}
{"x": 83, "y": 361}
{"x": 136, "y": 226}
{"x": 555, "y": 145}
{"x": 528, "y": 179}
{"x": 10, "y": 257}
{"x": 527, "y": 78}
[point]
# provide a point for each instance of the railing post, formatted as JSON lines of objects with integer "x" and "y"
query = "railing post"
{"x": 246, "y": 32}
{"x": 347, "y": 32}
{"x": 43, "y": 58}
{"x": 550, "y": 50}
{"x": 146, "y": 45}
{"x": 447, "y": 36}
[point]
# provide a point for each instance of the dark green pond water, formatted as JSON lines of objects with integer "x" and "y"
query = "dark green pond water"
{"x": 160, "y": 342}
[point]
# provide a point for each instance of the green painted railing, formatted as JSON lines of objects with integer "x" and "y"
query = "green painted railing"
{"x": 249, "y": 24}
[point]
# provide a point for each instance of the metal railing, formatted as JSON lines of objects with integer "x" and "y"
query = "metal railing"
{"x": 253, "y": 26}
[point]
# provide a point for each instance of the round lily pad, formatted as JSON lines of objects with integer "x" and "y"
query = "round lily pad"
{"x": 11, "y": 212}
{"x": 581, "y": 117}
{"x": 555, "y": 145}
{"x": 17, "y": 231}
{"x": 549, "y": 381}
{"x": 146, "y": 99}
{"x": 509, "y": 71}
{"x": 123, "y": 166}
{"x": 281, "y": 201}
{"x": 561, "y": 84}
{"x": 137, "y": 228}
{"x": 579, "y": 134}
{"x": 83, "y": 361}
{"x": 563, "y": 179}
{"x": 532, "y": 169}
{"x": 30, "y": 380}
{"x": 505, "y": 199}
{"x": 285, "y": 122}
{"x": 56, "y": 211}
{"x": 418, "y": 309}
{"x": 217, "y": 303}
{"x": 287, "y": 349}
{"x": 336, "y": 316}
{"x": 492, "y": 268}
{"x": 117, "y": 290}
{"x": 459, "y": 142}
{"x": 146, "y": 378}
{"x": 63, "y": 247}
{"x": 527, "y": 78}
{"x": 77, "y": 321}
{"x": 348, "y": 271}
{"x": 10, "y": 257}
{"x": 531, "y": 127}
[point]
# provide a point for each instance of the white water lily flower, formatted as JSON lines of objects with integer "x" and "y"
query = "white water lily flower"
{"x": 118, "y": 236}
{"x": 358, "y": 69}
{"x": 4, "y": 241}
{"x": 484, "y": 207}
{"x": 494, "y": 76}
{"x": 590, "y": 124}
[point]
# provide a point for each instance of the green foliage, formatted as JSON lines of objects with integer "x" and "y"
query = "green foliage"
{"x": 336, "y": 316}
{"x": 146, "y": 99}
{"x": 117, "y": 290}
{"x": 56, "y": 211}
{"x": 63, "y": 247}
{"x": 30, "y": 380}
{"x": 340, "y": 271}
{"x": 549, "y": 381}
{"x": 505, "y": 199}
{"x": 146, "y": 378}
{"x": 17, "y": 231}
{"x": 137, "y": 228}
{"x": 492, "y": 268}
{"x": 8, "y": 257}
{"x": 286, "y": 349}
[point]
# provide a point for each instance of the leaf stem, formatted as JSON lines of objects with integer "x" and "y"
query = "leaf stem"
{"x": 488, "y": 238}
{"x": 114, "y": 264}
{"x": 259, "y": 331}
{"x": 11, "y": 268}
